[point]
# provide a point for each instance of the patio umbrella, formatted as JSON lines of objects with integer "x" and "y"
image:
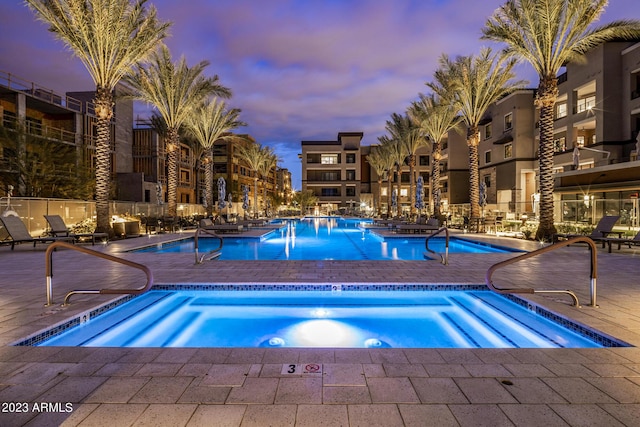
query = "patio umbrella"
{"x": 394, "y": 199}
{"x": 576, "y": 157}
{"x": 419, "y": 193}
{"x": 221, "y": 192}
{"x": 245, "y": 197}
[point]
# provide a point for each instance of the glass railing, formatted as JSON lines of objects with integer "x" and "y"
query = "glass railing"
{"x": 32, "y": 211}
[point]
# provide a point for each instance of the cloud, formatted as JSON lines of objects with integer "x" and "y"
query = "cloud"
{"x": 299, "y": 69}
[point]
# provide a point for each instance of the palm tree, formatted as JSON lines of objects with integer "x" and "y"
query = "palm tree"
{"x": 387, "y": 147}
{"x": 548, "y": 34}
{"x": 404, "y": 130}
{"x": 379, "y": 161}
{"x": 253, "y": 155}
{"x": 304, "y": 199}
{"x": 475, "y": 82}
{"x": 174, "y": 90}
{"x": 269, "y": 161}
{"x": 210, "y": 122}
{"x": 109, "y": 37}
{"x": 398, "y": 154}
{"x": 435, "y": 117}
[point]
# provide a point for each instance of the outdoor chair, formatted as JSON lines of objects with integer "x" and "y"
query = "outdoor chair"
{"x": 208, "y": 224}
{"x": 18, "y": 233}
{"x": 58, "y": 228}
{"x": 635, "y": 241}
{"x": 599, "y": 234}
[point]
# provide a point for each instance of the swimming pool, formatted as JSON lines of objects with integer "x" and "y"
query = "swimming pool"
{"x": 325, "y": 238}
{"x": 416, "y": 317}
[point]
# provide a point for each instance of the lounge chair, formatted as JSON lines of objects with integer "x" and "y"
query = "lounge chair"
{"x": 599, "y": 234}
{"x": 208, "y": 224}
{"x": 19, "y": 233}
{"x": 635, "y": 241}
{"x": 430, "y": 226}
{"x": 59, "y": 229}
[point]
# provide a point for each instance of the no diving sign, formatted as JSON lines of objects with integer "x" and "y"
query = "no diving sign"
{"x": 301, "y": 369}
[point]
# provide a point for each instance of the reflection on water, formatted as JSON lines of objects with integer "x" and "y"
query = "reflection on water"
{"x": 327, "y": 239}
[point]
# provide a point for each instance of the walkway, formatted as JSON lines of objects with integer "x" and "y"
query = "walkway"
{"x": 358, "y": 387}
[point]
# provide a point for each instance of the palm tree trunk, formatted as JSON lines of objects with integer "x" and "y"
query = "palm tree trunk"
{"x": 412, "y": 183}
{"x": 389, "y": 179}
{"x": 173, "y": 150}
{"x": 474, "y": 178}
{"x": 435, "y": 179}
{"x": 547, "y": 95}
{"x": 208, "y": 176}
{"x": 264, "y": 191}
{"x": 399, "y": 181}
{"x": 379, "y": 196}
{"x": 255, "y": 197}
{"x": 104, "y": 112}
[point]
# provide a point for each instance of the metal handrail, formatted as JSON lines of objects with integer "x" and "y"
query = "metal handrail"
{"x": 594, "y": 270}
{"x": 49, "y": 273}
{"x": 213, "y": 254}
{"x": 444, "y": 259}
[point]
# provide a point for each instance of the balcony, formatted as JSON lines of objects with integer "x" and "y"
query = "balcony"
{"x": 17, "y": 84}
{"x": 43, "y": 131}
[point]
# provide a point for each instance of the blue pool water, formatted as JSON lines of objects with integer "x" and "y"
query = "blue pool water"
{"x": 374, "y": 319}
{"x": 324, "y": 239}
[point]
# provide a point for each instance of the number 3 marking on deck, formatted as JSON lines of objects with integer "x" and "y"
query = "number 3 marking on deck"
{"x": 292, "y": 369}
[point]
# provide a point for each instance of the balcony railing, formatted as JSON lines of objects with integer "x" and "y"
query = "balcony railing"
{"x": 16, "y": 83}
{"x": 37, "y": 129}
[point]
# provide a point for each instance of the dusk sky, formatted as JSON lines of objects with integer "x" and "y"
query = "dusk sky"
{"x": 299, "y": 69}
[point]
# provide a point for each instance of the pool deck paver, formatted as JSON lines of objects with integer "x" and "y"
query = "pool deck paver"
{"x": 358, "y": 387}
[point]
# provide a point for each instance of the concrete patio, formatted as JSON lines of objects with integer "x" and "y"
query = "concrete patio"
{"x": 45, "y": 386}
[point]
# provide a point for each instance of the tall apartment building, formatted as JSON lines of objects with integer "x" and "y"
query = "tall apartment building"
{"x": 284, "y": 188}
{"x": 597, "y": 169}
{"x": 508, "y": 154}
{"x": 341, "y": 178}
{"x": 333, "y": 170}
{"x": 597, "y": 122}
{"x": 137, "y": 152}
{"x": 31, "y": 111}
{"x": 228, "y": 165}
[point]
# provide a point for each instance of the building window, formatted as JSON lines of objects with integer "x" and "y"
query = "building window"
{"x": 586, "y": 103}
{"x": 487, "y": 131}
{"x": 384, "y": 191}
{"x": 487, "y": 156}
{"x": 351, "y": 158}
{"x": 351, "y": 191}
{"x": 580, "y": 141}
{"x": 560, "y": 144}
{"x": 403, "y": 192}
{"x": 561, "y": 110}
{"x": 328, "y": 192}
{"x": 487, "y": 180}
{"x": 329, "y": 159}
{"x": 423, "y": 160}
{"x": 508, "y": 122}
{"x": 351, "y": 175}
{"x": 508, "y": 151}
{"x": 329, "y": 176}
